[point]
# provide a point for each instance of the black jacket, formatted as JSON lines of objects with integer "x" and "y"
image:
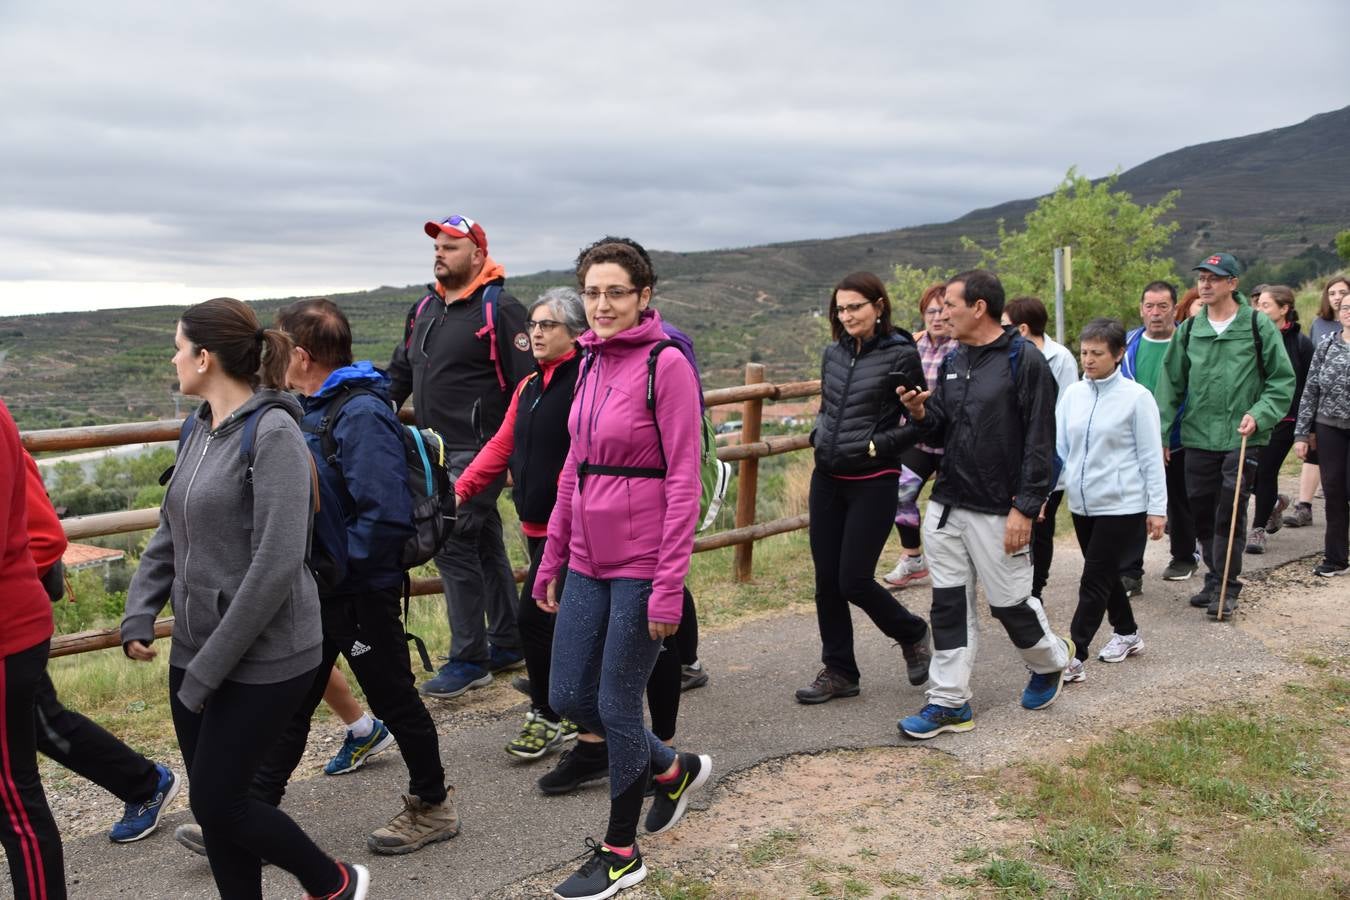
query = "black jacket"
{"x": 999, "y": 443}
{"x": 858, "y": 404}
{"x": 542, "y": 441}
{"x": 1300, "y": 350}
{"x": 448, "y": 368}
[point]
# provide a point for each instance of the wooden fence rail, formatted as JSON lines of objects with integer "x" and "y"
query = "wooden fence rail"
{"x": 747, "y": 453}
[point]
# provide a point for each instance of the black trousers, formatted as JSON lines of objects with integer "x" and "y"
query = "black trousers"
{"x": 1211, "y": 478}
{"x": 87, "y": 750}
{"x": 1269, "y": 460}
{"x": 1104, "y": 541}
{"x": 1043, "y": 543}
{"x": 536, "y": 638}
{"x": 850, "y": 521}
{"x": 922, "y": 463}
{"x": 1180, "y": 522}
{"x": 366, "y": 629}
{"x": 27, "y": 830}
{"x": 1333, "y": 452}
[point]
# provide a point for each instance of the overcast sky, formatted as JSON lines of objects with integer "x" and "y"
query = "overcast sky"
{"x": 158, "y": 152}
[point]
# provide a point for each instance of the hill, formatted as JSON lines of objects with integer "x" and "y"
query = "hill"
{"x": 1268, "y": 197}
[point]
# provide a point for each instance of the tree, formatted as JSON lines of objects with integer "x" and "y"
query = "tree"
{"x": 1116, "y": 245}
{"x": 1343, "y": 245}
{"x": 906, "y": 287}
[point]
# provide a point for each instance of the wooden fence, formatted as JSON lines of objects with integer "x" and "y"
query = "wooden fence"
{"x": 752, "y": 447}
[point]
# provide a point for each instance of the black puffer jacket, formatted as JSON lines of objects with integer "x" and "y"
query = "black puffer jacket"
{"x": 858, "y": 404}
{"x": 999, "y": 444}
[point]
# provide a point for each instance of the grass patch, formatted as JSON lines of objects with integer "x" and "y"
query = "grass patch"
{"x": 774, "y": 846}
{"x": 678, "y": 887}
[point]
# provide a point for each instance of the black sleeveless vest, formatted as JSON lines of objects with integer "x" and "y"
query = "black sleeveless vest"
{"x": 542, "y": 440}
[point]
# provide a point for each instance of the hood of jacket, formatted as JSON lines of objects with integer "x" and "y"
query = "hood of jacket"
{"x": 362, "y": 373}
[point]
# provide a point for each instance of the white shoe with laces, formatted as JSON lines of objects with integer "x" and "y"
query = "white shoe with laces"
{"x": 907, "y": 571}
{"x": 1120, "y": 647}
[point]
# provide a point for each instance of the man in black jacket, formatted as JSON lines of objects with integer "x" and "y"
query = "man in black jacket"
{"x": 464, "y": 349}
{"x": 993, "y": 410}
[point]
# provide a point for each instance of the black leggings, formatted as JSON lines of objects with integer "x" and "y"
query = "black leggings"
{"x": 850, "y": 521}
{"x": 536, "y": 639}
{"x": 1043, "y": 543}
{"x": 27, "y": 830}
{"x": 1269, "y": 460}
{"x": 922, "y": 463}
{"x": 1333, "y": 452}
{"x": 1105, "y": 541}
{"x": 222, "y": 747}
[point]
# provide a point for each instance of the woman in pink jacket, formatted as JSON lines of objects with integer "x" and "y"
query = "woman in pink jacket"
{"x": 623, "y": 528}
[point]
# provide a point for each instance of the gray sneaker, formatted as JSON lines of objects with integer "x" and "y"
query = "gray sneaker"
{"x": 1276, "y": 520}
{"x": 1256, "y": 541}
{"x": 1301, "y": 516}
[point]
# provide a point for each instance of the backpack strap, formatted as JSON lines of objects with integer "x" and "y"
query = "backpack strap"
{"x": 328, "y": 443}
{"x": 490, "y": 295}
{"x": 189, "y": 424}
{"x": 412, "y": 321}
{"x": 585, "y": 467}
{"x": 1015, "y": 355}
{"x": 1258, "y": 345}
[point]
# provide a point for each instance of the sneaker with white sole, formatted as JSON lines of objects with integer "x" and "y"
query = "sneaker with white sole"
{"x": 906, "y": 572}
{"x": 1119, "y": 648}
{"x": 141, "y": 819}
{"x": 671, "y": 798}
{"x": 539, "y": 735}
{"x": 603, "y": 875}
{"x": 1075, "y": 673}
{"x": 355, "y": 751}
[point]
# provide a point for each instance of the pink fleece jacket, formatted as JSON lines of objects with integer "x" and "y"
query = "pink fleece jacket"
{"x": 619, "y": 527}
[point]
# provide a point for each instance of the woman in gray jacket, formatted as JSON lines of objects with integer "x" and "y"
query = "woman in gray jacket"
{"x": 229, "y": 554}
{"x": 1324, "y": 426}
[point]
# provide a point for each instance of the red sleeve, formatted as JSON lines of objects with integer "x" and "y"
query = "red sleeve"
{"x": 24, "y": 608}
{"x": 491, "y": 460}
{"x": 46, "y": 537}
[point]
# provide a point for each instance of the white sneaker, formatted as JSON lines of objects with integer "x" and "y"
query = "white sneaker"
{"x": 909, "y": 570}
{"x": 1121, "y": 646}
{"x": 1074, "y": 671}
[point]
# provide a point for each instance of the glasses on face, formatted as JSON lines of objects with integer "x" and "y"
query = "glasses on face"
{"x": 613, "y": 293}
{"x": 1211, "y": 279}
{"x": 544, "y": 325}
{"x": 851, "y": 308}
{"x": 932, "y": 311}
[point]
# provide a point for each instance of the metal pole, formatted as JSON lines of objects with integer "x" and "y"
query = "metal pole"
{"x": 1059, "y": 294}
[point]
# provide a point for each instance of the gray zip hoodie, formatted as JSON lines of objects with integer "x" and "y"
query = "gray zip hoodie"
{"x": 231, "y": 558}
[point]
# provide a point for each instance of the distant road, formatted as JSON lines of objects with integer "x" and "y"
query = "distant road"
{"x": 89, "y": 459}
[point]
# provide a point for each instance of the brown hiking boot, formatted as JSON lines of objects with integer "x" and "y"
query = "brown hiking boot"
{"x": 828, "y": 685}
{"x": 419, "y": 824}
{"x": 917, "y": 657}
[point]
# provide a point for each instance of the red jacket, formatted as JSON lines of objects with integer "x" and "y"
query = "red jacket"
{"x": 46, "y": 538}
{"x": 25, "y": 611}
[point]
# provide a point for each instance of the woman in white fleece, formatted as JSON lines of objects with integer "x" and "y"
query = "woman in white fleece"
{"x": 1108, "y": 434}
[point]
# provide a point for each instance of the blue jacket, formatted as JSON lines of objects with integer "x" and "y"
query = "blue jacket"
{"x": 1108, "y": 434}
{"x": 1127, "y": 369}
{"x": 376, "y": 502}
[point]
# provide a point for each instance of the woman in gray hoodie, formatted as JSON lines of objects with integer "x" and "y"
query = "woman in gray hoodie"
{"x": 229, "y": 554}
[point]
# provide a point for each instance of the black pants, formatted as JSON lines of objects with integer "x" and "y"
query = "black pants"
{"x": 27, "y": 830}
{"x": 222, "y": 746}
{"x": 1269, "y": 460}
{"x": 850, "y": 521}
{"x": 1211, "y": 478}
{"x": 367, "y": 630}
{"x": 1104, "y": 541}
{"x": 1180, "y": 522}
{"x": 536, "y": 637}
{"x": 87, "y": 750}
{"x": 1043, "y": 543}
{"x": 922, "y": 463}
{"x": 1333, "y": 451}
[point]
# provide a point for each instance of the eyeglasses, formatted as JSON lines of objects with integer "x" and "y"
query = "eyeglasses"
{"x": 932, "y": 311}
{"x": 1212, "y": 279}
{"x": 613, "y": 293}
{"x": 544, "y": 325}
{"x": 851, "y": 308}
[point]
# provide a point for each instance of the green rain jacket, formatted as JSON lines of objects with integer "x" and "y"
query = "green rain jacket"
{"x": 1217, "y": 377}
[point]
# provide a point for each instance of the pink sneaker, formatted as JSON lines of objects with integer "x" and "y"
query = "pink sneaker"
{"x": 909, "y": 570}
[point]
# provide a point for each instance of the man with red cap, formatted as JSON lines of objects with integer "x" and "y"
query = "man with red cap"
{"x": 464, "y": 349}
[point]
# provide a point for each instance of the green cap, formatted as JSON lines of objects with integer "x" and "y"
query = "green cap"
{"x": 1220, "y": 264}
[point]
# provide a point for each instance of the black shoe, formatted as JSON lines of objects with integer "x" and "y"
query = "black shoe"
{"x": 672, "y": 798}
{"x": 1330, "y": 570}
{"x": 1133, "y": 586}
{"x": 1180, "y": 570}
{"x": 1230, "y": 605}
{"x": 355, "y": 883}
{"x": 603, "y": 875}
{"x": 693, "y": 676}
{"x": 577, "y": 766}
{"x": 828, "y": 685}
{"x": 1204, "y": 598}
{"x": 917, "y": 658}
{"x": 521, "y": 683}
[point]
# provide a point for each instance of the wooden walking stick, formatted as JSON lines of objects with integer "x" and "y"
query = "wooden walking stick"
{"x": 1232, "y": 525}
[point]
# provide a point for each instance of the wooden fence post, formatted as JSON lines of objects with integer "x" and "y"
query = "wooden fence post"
{"x": 747, "y": 480}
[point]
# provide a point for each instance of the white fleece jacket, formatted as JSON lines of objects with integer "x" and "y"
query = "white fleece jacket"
{"x": 1107, "y": 433}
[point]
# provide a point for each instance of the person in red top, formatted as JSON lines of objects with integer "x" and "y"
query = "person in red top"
{"x": 27, "y": 830}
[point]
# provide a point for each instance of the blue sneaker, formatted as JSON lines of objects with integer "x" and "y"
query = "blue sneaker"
{"x": 456, "y": 677}
{"x": 141, "y": 819}
{"x": 354, "y": 751}
{"x": 932, "y": 720}
{"x": 503, "y": 660}
{"x": 1042, "y": 689}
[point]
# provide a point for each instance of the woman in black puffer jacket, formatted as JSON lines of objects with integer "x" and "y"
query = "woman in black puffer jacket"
{"x": 858, "y": 439}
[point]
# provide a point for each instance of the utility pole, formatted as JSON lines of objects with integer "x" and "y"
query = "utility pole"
{"x": 1063, "y": 282}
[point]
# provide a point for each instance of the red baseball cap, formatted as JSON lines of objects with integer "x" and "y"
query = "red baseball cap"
{"x": 458, "y": 227}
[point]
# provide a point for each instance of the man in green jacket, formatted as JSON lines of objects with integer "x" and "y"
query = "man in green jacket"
{"x": 1243, "y": 384}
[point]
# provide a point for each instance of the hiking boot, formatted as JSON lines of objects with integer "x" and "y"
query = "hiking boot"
{"x": 1330, "y": 570}
{"x": 355, "y": 883}
{"x": 1204, "y": 597}
{"x": 1121, "y": 646}
{"x": 141, "y": 819}
{"x": 672, "y": 796}
{"x": 538, "y": 736}
{"x": 1256, "y": 541}
{"x": 1301, "y": 516}
{"x": 585, "y": 761}
{"x": 1043, "y": 687}
{"x": 455, "y": 678}
{"x": 418, "y": 824}
{"x": 1133, "y": 586}
{"x": 1180, "y": 570}
{"x": 933, "y": 719}
{"x": 828, "y": 685}
{"x": 502, "y": 660}
{"x": 603, "y": 875}
{"x": 693, "y": 676}
{"x": 907, "y": 571}
{"x": 917, "y": 657}
{"x": 355, "y": 751}
{"x": 1075, "y": 672}
{"x": 1230, "y": 605}
{"x": 1276, "y": 520}
{"x": 522, "y": 684}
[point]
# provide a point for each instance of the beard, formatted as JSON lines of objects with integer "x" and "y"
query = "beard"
{"x": 455, "y": 277}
